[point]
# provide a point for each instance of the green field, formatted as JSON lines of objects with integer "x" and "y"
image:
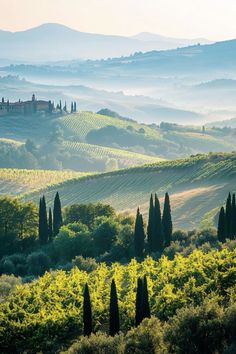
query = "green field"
{"x": 82, "y": 123}
{"x": 196, "y": 186}
{"x": 16, "y": 181}
{"x": 124, "y": 158}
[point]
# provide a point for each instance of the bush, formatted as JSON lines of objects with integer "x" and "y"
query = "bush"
{"x": 196, "y": 330}
{"x": 38, "y": 263}
{"x": 147, "y": 338}
{"x": 99, "y": 343}
{"x": 87, "y": 264}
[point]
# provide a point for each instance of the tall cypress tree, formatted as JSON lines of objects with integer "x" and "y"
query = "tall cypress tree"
{"x": 72, "y": 107}
{"x": 75, "y": 108}
{"x": 150, "y": 226}
{"x": 145, "y": 300}
{"x": 57, "y": 215}
{"x": 50, "y": 226}
{"x": 139, "y": 303}
{"x": 233, "y": 217}
{"x": 167, "y": 221}
{"x": 221, "y": 230}
{"x": 114, "y": 319}
{"x": 139, "y": 235}
{"x": 43, "y": 223}
{"x": 158, "y": 241}
{"x": 87, "y": 312}
{"x": 228, "y": 217}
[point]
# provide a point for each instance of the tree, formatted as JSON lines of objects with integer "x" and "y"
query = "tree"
{"x": 17, "y": 218}
{"x": 50, "y": 225}
{"x": 158, "y": 240}
{"x": 167, "y": 221}
{"x": 87, "y": 312}
{"x": 139, "y": 303}
{"x": 139, "y": 235}
{"x": 114, "y": 320}
{"x": 60, "y": 106}
{"x": 221, "y": 230}
{"x": 57, "y": 215}
{"x": 145, "y": 300}
{"x": 43, "y": 223}
{"x": 228, "y": 217}
{"x": 75, "y": 108}
{"x": 150, "y": 225}
{"x": 72, "y": 108}
{"x": 233, "y": 216}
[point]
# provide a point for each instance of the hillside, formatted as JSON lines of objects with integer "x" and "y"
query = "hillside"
{"x": 16, "y": 181}
{"x": 197, "y": 184}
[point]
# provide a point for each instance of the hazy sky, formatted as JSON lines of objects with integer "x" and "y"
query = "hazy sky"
{"x": 215, "y": 19}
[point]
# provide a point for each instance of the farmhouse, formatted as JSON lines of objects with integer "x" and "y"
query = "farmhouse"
{"x": 26, "y": 107}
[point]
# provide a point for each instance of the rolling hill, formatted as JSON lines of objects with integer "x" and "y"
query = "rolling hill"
{"x": 17, "y": 181}
{"x": 196, "y": 185}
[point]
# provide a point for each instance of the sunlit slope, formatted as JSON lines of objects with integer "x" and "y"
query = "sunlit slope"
{"x": 124, "y": 157}
{"x": 80, "y": 124}
{"x": 196, "y": 185}
{"x": 16, "y": 181}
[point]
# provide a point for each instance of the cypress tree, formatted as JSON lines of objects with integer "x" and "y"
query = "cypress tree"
{"x": 221, "y": 230}
{"x": 139, "y": 235}
{"x": 139, "y": 303}
{"x": 87, "y": 312}
{"x": 75, "y": 108}
{"x": 60, "y": 106}
{"x": 114, "y": 320}
{"x": 43, "y": 223}
{"x": 167, "y": 221}
{"x": 150, "y": 226}
{"x": 50, "y": 226}
{"x": 233, "y": 217}
{"x": 157, "y": 227}
{"x": 145, "y": 300}
{"x": 72, "y": 108}
{"x": 228, "y": 217}
{"x": 57, "y": 215}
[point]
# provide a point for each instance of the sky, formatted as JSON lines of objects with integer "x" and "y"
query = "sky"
{"x": 212, "y": 19}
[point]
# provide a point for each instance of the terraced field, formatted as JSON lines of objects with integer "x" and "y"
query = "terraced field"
{"x": 196, "y": 186}
{"x": 16, "y": 181}
{"x": 124, "y": 158}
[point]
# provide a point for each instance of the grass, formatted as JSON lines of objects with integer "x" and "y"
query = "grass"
{"x": 196, "y": 186}
{"x": 123, "y": 157}
{"x": 80, "y": 124}
{"x": 16, "y": 181}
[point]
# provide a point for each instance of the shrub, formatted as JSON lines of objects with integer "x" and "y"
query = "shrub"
{"x": 196, "y": 330}
{"x": 38, "y": 263}
{"x": 99, "y": 343}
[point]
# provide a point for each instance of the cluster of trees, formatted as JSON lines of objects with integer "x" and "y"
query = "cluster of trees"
{"x": 227, "y": 220}
{"x": 142, "y": 308}
{"x": 49, "y": 225}
{"x": 64, "y": 108}
{"x": 159, "y": 228}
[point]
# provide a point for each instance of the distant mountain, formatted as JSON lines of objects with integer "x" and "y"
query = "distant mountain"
{"x": 55, "y": 42}
{"x": 169, "y": 42}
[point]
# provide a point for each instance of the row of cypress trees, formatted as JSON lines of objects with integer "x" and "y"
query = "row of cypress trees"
{"x": 159, "y": 228}
{"x": 227, "y": 220}
{"x": 142, "y": 308}
{"x": 49, "y": 224}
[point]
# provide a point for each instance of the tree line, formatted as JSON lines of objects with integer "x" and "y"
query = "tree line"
{"x": 142, "y": 308}
{"x": 159, "y": 228}
{"x": 227, "y": 220}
